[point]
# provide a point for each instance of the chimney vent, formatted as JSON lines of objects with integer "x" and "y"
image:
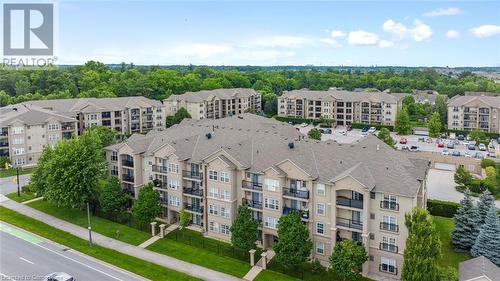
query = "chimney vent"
{"x": 378, "y": 147}
{"x": 209, "y": 135}
{"x": 291, "y": 145}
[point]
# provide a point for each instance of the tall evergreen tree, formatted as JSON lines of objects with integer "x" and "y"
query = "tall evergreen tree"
{"x": 294, "y": 244}
{"x": 488, "y": 241}
{"x": 244, "y": 229}
{"x": 465, "y": 232}
{"x": 423, "y": 248}
{"x": 403, "y": 126}
{"x": 486, "y": 201}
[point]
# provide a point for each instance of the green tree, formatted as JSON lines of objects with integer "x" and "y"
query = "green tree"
{"x": 4, "y": 160}
{"x": 403, "y": 122}
{"x": 244, "y": 229}
{"x": 441, "y": 107}
{"x": 294, "y": 245}
{"x": 105, "y": 134}
{"x": 347, "y": 258}
{"x": 486, "y": 201}
{"x": 423, "y": 247}
{"x": 434, "y": 125}
{"x": 180, "y": 115}
{"x": 147, "y": 206}
{"x": 385, "y": 135}
{"x": 465, "y": 231}
{"x": 487, "y": 243}
{"x": 184, "y": 218}
{"x": 112, "y": 199}
{"x": 477, "y": 135}
{"x": 314, "y": 134}
{"x": 463, "y": 178}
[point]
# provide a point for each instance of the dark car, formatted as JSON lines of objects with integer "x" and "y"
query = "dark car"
{"x": 461, "y": 137}
{"x": 413, "y": 148}
{"x": 455, "y": 153}
{"x": 322, "y": 131}
{"x": 328, "y": 131}
{"x": 471, "y": 147}
{"x": 364, "y": 130}
{"x": 444, "y": 136}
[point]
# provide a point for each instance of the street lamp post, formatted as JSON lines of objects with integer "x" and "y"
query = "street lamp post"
{"x": 18, "y": 183}
{"x": 89, "y": 227}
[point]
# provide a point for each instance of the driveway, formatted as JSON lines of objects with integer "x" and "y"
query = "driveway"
{"x": 441, "y": 186}
{"x": 7, "y": 184}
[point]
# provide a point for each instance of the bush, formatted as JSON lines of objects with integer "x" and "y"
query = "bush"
{"x": 378, "y": 127}
{"x": 325, "y": 125}
{"x": 465, "y": 133}
{"x": 295, "y": 120}
{"x": 487, "y": 163}
{"x": 442, "y": 208}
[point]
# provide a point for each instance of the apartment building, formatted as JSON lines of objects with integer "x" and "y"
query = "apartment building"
{"x": 26, "y": 129}
{"x": 474, "y": 111}
{"x": 422, "y": 96}
{"x": 345, "y": 107}
{"x": 214, "y": 104}
{"x": 358, "y": 192}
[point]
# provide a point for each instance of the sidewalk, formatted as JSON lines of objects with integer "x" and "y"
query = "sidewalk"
{"x": 166, "y": 261}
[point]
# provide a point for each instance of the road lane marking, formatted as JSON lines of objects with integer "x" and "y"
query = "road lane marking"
{"x": 21, "y": 258}
{"x": 20, "y": 234}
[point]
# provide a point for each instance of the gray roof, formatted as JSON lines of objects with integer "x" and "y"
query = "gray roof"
{"x": 209, "y": 94}
{"x": 340, "y": 95}
{"x": 420, "y": 96}
{"x": 493, "y": 101}
{"x": 29, "y": 115}
{"x": 257, "y": 143}
{"x": 477, "y": 267}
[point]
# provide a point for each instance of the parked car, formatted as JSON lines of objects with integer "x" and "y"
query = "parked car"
{"x": 445, "y": 152}
{"x": 455, "y": 153}
{"x": 342, "y": 132}
{"x": 456, "y": 142}
{"x": 328, "y": 131}
{"x": 471, "y": 147}
{"x": 478, "y": 155}
{"x": 444, "y": 136}
{"x": 372, "y": 130}
{"x": 482, "y": 147}
{"x": 59, "y": 276}
{"x": 364, "y": 130}
{"x": 468, "y": 138}
{"x": 413, "y": 148}
{"x": 349, "y": 128}
{"x": 404, "y": 147}
{"x": 403, "y": 141}
{"x": 440, "y": 144}
{"x": 466, "y": 143}
{"x": 450, "y": 145}
{"x": 461, "y": 137}
{"x": 303, "y": 125}
{"x": 322, "y": 131}
{"x": 422, "y": 139}
{"x": 467, "y": 154}
{"x": 429, "y": 140}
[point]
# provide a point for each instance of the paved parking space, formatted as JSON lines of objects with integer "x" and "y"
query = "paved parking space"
{"x": 336, "y": 135}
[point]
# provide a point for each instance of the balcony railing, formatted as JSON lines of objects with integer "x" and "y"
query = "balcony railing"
{"x": 389, "y": 226}
{"x": 349, "y": 223}
{"x": 304, "y": 194}
{"x": 353, "y": 203}
{"x": 252, "y": 204}
{"x": 128, "y": 178}
{"x": 251, "y": 185}
{"x": 388, "y": 247}
{"x": 304, "y": 214}
{"x": 128, "y": 163}
{"x": 388, "y": 269}
{"x": 389, "y": 205}
{"x": 160, "y": 169}
{"x": 193, "y": 208}
{"x": 192, "y": 175}
{"x": 193, "y": 191}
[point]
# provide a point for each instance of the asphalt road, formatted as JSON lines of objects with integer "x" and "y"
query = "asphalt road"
{"x": 7, "y": 185}
{"x": 24, "y": 256}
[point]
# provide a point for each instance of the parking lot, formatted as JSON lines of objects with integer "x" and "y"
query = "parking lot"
{"x": 339, "y": 134}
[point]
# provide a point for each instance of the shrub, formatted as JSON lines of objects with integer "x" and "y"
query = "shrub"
{"x": 442, "y": 208}
{"x": 325, "y": 125}
{"x": 487, "y": 163}
{"x": 295, "y": 120}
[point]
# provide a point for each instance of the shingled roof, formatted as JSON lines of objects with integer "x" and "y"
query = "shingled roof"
{"x": 209, "y": 94}
{"x": 340, "y": 95}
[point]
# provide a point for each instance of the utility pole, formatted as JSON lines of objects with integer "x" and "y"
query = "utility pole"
{"x": 18, "y": 183}
{"x": 89, "y": 227}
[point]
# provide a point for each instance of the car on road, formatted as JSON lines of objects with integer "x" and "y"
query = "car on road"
{"x": 450, "y": 145}
{"x": 479, "y": 155}
{"x": 440, "y": 144}
{"x": 445, "y": 152}
{"x": 471, "y": 147}
{"x": 403, "y": 141}
{"x": 372, "y": 130}
{"x": 482, "y": 147}
{"x": 455, "y": 153}
{"x": 59, "y": 276}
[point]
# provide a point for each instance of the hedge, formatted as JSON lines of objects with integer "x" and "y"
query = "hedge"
{"x": 487, "y": 163}
{"x": 465, "y": 133}
{"x": 442, "y": 208}
{"x": 378, "y": 127}
{"x": 296, "y": 120}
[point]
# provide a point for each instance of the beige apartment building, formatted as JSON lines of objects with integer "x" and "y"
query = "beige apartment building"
{"x": 358, "y": 192}
{"x": 475, "y": 110}
{"x": 214, "y": 104}
{"x": 345, "y": 107}
{"x": 25, "y": 130}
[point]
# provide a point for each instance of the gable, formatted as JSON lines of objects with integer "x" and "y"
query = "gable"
{"x": 349, "y": 183}
{"x": 293, "y": 171}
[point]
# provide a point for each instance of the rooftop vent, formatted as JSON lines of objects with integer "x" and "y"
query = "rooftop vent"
{"x": 208, "y": 135}
{"x": 291, "y": 145}
{"x": 378, "y": 147}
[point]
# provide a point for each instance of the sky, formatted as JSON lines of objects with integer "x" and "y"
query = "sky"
{"x": 357, "y": 33}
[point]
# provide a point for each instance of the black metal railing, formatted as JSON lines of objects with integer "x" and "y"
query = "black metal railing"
{"x": 353, "y": 203}
{"x": 192, "y": 175}
{"x": 389, "y": 226}
{"x": 304, "y": 214}
{"x": 193, "y": 208}
{"x": 160, "y": 169}
{"x": 349, "y": 223}
{"x": 304, "y": 194}
{"x": 127, "y": 163}
{"x": 251, "y": 185}
{"x": 389, "y": 205}
{"x": 114, "y": 172}
{"x": 128, "y": 178}
{"x": 388, "y": 269}
{"x": 252, "y": 203}
{"x": 388, "y": 247}
{"x": 193, "y": 191}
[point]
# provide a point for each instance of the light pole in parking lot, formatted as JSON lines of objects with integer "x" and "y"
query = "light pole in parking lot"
{"x": 89, "y": 227}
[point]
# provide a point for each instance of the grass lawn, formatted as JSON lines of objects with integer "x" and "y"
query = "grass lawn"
{"x": 12, "y": 172}
{"x": 25, "y": 196}
{"x": 196, "y": 254}
{"x": 302, "y": 272}
{"x": 266, "y": 275}
{"x": 146, "y": 269}
{"x": 103, "y": 226}
{"x": 449, "y": 257}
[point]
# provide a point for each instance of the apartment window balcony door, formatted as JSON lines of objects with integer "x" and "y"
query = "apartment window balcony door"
{"x": 257, "y": 197}
{"x": 357, "y": 217}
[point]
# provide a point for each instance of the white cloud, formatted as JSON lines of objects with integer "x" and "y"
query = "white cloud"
{"x": 202, "y": 50}
{"x": 283, "y": 41}
{"x": 421, "y": 31}
{"x": 337, "y": 33}
{"x": 452, "y": 34}
{"x": 360, "y": 37}
{"x": 443, "y": 12}
{"x": 331, "y": 42}
{"x": 385, "y": 44}
{"x": 487, "y": 30}
{"x": 399, "y": 31}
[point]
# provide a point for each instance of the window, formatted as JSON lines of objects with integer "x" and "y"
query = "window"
{"x": 53, "y": 127}
{"x": 388, "y": 244}
{"x": 174, "y": 201}
{"x": 388, "y": 265}
{"x": 17, "y": 140}
{"x": 320, "y": 189}
{"x": 173, "y": 168}
{"x": 213, "y": 192}
{"x": 320, "y": 248}
{"x": 173, "y": 184}
{"x": 213, "y": 210}
{"x": 271, "y": 223}
{"x": 18, "y": 151}
{"x": 272, "y": 185}
{"x": 320, "y": 228}
{"x": 17, "y": 130}
{"x": 93, "y": 116}
{"x": 212, "y": 175}
{"x": 271, "y": 203}
{"x": 225, "y": 194}
{"x": 114, "y": 156}
{"x": 224, "y": 212}
{"x": 390, "y": 202}
{"x": 224, "y": 176}
{"x": 19, "y": 161}
{"x": 213, "y": 226}
{"x": 224, "y": 229}
{"x": 389, "y": 223}
{"x": 53, "y": 137}
{"x": 320, "y": 209}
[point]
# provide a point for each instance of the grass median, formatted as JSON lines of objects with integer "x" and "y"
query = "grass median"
{"x": 24, "y": 196}
{"x": 140, "y": 267}
{"x": 102, "y": 226}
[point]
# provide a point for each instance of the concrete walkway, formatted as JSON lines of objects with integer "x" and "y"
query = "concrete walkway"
{"x": 257, "y": 268}
{"x": 162, "y": 260}
{"x": 32, "y": 200}
{"x": 149, "y": 241}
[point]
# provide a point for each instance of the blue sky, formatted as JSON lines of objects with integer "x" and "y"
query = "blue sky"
{"x": 438, "y": 33}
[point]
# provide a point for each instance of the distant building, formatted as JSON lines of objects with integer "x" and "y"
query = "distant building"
{"x": 214, "y": 104}
{"x": 474, "y": 111}
{"x": 422, "y": 96}
{"x": 478, "y": 269}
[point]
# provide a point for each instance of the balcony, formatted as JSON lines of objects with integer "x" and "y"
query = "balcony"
{"x": 252, "y": 204}
{"x": 352, "y": 203}
{"x": 160, "y": 169}
{"x": 128, "y": 178}
{"x": 349, "y": 223}
{"x": 388, "y": 247}
{"x": 193, "y": 208}
{"x": 193, "y": 191}
{"x": 295, "y": 193}
{"x": 192, "y": 175}
{"x": 128, "y": 163}
{"x": 304, "y": 214}
{"x": 389, "y": 226}
{"x": 389, "y": 205}
{"x": 4, "y": 143}
{"x": 251, "y": 185}
{"x": 391, "y": 269}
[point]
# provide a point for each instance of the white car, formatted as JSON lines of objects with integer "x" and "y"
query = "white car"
{"x": 445, "y": 152}
{"x": 482, "y": 147}
{"x": 466, "y": 143}
{"x": 343, "y": 132}
{"x": 372, "y": 130}
{"x": 303, "y": 125}
{"x": 467, "y": 154}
